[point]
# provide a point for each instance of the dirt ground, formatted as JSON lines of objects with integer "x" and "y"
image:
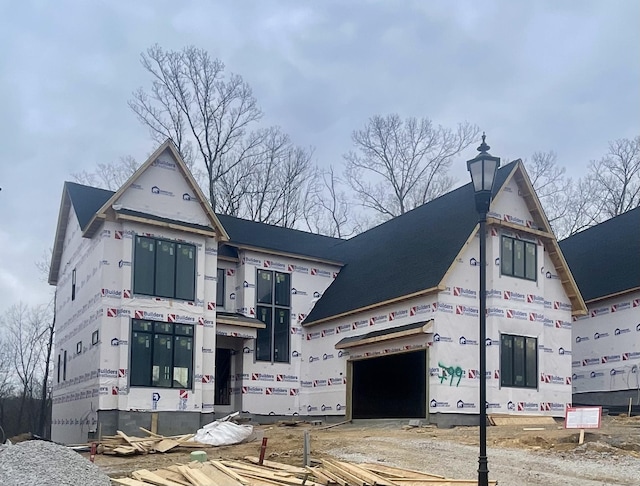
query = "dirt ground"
{"x": 397, "y": 444}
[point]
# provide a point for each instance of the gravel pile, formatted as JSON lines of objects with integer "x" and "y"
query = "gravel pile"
{"x": 41, "y": 462}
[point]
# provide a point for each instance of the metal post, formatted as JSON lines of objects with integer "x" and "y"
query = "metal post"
{"x": 306, "y": 449}
{"x": 483, "y": 470}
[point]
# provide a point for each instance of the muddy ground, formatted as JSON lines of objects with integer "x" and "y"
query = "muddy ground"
{"x": 610, "y": 455}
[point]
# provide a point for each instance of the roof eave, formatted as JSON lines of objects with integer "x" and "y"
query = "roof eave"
{"x": 61, "y": 230}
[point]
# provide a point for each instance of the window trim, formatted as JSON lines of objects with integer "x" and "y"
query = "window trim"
{"x": 175, "y": 267}
{"x": 274, "y": 308}
{"x": 173, "y": 334}
{"x": 221, "y": 284}
{"x": 79, "y": 347}
{"x": 535, "y": 385}
{"x": 95, "y": 337}
{"x": 525, "y": 243}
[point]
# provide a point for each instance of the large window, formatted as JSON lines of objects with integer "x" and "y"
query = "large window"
{"x": 164, "y": 268}
{"x": 273, "y": 295}
{"x": 220, "y": 288}
{"x": 161, "y": 354}
{"x": 518, "y": 258}
{"x": 518, "y": 361}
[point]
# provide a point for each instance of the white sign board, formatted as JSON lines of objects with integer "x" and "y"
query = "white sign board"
{"x": 583, "y": 418}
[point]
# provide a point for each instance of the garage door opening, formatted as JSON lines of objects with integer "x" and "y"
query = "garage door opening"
{"x": 392, "y": 386}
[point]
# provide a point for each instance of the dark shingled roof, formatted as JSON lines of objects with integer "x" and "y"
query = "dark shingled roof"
{"x": 605, "y": 259}
{"x": 270, "y": 237}
{"x": 86, "y": 201}
{"x": 351, "y": 340}
{"x": 404, "y": 255}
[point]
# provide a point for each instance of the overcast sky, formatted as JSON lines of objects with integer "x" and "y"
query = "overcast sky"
{"x": 543, "y": 75}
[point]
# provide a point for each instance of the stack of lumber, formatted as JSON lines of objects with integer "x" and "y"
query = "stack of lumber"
{"x": 329, "y": 472}
{"x": 126, "y": 445}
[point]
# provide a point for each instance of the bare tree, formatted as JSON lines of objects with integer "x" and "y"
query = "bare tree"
{"x": 27, "y": 336}
{"x": 618, "y": 174}
{"x": 398, "y": 164}
{"x": 108, "y": 175}
{"x": 327, "y": 209}
{"x": 206, "y": 113}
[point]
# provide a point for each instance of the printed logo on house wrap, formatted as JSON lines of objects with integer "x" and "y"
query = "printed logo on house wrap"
{"x": 578, "y": 376}
{"x": 545, "y": 349}
{"x": 516, "y": 314}
{"x": 546, "y": 322}
{"x": 143, "y": 314}
{"x": 306, "y": 383}
{"x": 560, "y": 324}
{"x": 600, "y": 335}
{"x": 210, "y": 250}
{"x": 619, "y": 331}
{"x": 287, "y": 378}
{"x": 463, "y": 404}
{"x": 491, "y": 342}
{"x": 535, "y": 299}
{"x": 313, "y": 335}
{"x": 359, "y": 324}
{"x": 164, "y": 164}
{"x": 511, "y": 295}
{"x": 377, "y": 319}
{"x": 252, "y": 390}
{"x": 328, "y": 332}
{"x": 552, "y": 379}
{"x": 620, "y": 307}
{"x": 611, "y": 358}
{"x": 548, "y": 304}
{"x": 557, "y": 305}
{"x": 295, "y": 291}
{"x": 401, "y": 314}
{"x": 462, "y": 292}
{"x": 313, "y": 359}
{"x": 317, "y": 383}
{"x": 494, "y": 294}
{"x": 112, "y": 312}
{"x": 162, "y": 192}
{"x": 336, "y": 381}
{"x": 590, "y": 361}
{"x": 466, "y": 341}
{"x": 111, "y": 293}
{"x": 564, "y": 352}
{"x": 630, "y": 355}
{"x": 262, "y": 377}
{"x": 443, "y": 307}
{"x": 273, "y": 264}
{"x": 551, "y": 407}
{"x": 181, "y": 318}
{"x": 320, "y": 272}
{"x": 536, "y": 317}
{"x": 596, "y": 374}
{"x": 438, "y": 338}
{"x": 600, "y": 311}
{"x": 297, "y": 268}
{"x": 580, "y": 339}
{"x": 419, "y": 309}
{"x": 495, "y": 311}
{"x": 249, "y": 260}
{"x": 465, "y": 310}
{"x": 343, "y": 328}
{"x": 276, "y": 391}
{"x": 617, "y": 371}
{"x": 436, "y": 404}
{"x": 527, "y": 406}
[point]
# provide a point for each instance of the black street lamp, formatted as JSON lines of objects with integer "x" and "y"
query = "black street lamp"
{"x": 483, "y": 170}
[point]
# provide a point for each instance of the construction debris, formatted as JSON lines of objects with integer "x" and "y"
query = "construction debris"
{"x": 127, "y": 445}
{"x": 329, "y": 472}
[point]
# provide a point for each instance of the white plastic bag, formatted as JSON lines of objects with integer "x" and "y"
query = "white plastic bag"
{"x": 223, "y": 432}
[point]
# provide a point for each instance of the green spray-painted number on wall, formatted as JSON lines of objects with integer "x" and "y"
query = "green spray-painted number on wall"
{"x": 450, "y": 371}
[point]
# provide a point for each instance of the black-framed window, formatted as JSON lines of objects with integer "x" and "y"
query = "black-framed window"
{"x": 220, "y": 288}
{"x": 161, "y": 354}
{"x": 73, "y": 284}
{"x": 518, "y": 258}
{"x": 79, "y": 347}
{"x": 95, "y": 337}
{"x": 164, "y": 268}
{"x": 273, "y": 307}
{"x": 64, "y": 366}
{"x": 518, "y": 361}
{"x": 59, "y": 366}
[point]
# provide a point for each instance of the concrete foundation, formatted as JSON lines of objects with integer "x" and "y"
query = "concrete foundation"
{"x": 610, "y": 399}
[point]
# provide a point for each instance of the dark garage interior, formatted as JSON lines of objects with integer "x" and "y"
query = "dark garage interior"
{"x": 392, "y": 386}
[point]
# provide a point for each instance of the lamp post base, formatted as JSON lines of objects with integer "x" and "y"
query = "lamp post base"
{"x": 483, "y": 471}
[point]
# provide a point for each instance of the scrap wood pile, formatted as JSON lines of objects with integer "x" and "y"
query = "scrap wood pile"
{"x": 250, "y": 473}
{"x": 126, "y": 445}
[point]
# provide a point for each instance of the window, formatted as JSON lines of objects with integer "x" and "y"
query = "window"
{"x": 273, "y": 295}
{"x": 79, "y": 347}
{"x": 73, "y": 284}
{"x": 164, "y": 268}
{"x": 95, "y": 337}
{"x": 220, "y": 288}
{"x": 59, "y": 365}
{"x": 64, "y": 367}
{"x": 518, "y": 258}
{"x": 518, "y": 361}
{"x": 161, "y": 354}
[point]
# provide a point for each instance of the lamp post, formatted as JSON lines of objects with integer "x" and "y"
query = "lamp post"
{"x": 483, "y": 170}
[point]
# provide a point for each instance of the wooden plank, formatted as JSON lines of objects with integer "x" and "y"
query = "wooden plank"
{"x": 437, "y": 482}
{"x": 522, "y": 420}
{"x": 228, "y": 471}
{"x": 335, "y": 478}
{"x": 218, "y": 476}
{"x": 128, "y": 482}
{"x": 396, "y": 472}
{"x": 320, "y": 476}
{"x": 172, "y": 476}
{"x": 343, "y": 473}
{"x": 149, "y": 477}
{"x": 365, "y": 475}
{"x": 152, "y": 434}
{"x": 287, "y": 480}
{"x": 166, "y": 445}
{"x": 277, "y": 465}
{"x": 154, "y": 422}
{"x": 196, "y": 476}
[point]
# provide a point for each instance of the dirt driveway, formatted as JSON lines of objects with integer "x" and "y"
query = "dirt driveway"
{"x": 609, "y": 456}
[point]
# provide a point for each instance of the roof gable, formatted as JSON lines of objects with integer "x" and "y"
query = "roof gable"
{"x": 164, "y": 189}
{"x": 605, "y": 259}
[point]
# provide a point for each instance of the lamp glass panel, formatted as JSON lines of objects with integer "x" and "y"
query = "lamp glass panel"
{"x": 475, "y": 168}
{"x": 489, "y": 167}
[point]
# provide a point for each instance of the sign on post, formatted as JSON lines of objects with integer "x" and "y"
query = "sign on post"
{"x": 582, "y": 418}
